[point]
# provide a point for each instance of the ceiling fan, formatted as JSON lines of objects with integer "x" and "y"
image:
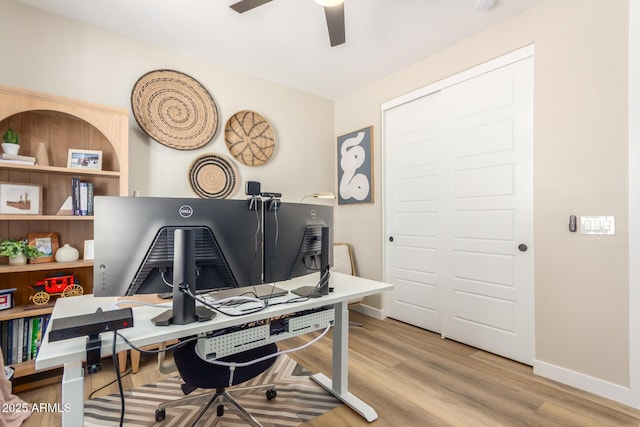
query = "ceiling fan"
{"x": 333, "y": 11}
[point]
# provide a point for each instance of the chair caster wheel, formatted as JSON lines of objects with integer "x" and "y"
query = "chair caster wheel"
{"x": 271, "y": 394}
{"x": 220, "y": 410}
{"x": 160, "y": 415}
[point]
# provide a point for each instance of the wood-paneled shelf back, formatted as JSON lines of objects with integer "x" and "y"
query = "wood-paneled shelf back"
{"x": 55, "y": 124}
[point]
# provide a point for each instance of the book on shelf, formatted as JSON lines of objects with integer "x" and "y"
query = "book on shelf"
{"x": 17, "y": 159}
{"x": 81, "y": 197}
{"x": 90, "y": 199}
{"x": 75, "y": 195}
{"x": 15, "y": 162}
{"x": 84, "y": 194}
{"x": 15, "y": 336}
{"x": 21, "y": 338}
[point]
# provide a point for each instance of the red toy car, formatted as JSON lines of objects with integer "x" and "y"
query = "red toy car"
{"x": 63, "y": 284}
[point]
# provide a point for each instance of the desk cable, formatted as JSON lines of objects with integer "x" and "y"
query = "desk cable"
{"x": 127, "y": 372}
{"x": 313, "y": 293}
{"x": 231, "y": 301}
{"x": 264, "y": 303}
{"x": 116, "y": 366}
{"x": 230, "y": 365}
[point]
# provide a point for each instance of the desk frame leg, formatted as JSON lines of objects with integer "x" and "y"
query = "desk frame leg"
{"x": 73, "y": 394}
{"x": 339, "y": 386}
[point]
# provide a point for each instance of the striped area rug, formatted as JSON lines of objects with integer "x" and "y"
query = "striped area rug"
{"x": 299, "y": 400}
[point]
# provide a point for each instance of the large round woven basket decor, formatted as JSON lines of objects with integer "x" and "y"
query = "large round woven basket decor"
{"x": 249, "y": 138}
{"x": 174, "y": 109}
{"x": 213, "y": 176}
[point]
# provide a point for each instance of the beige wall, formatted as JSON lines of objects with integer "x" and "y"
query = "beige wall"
{"x": 60, "y": 56}
{"x": 580, "y": 168}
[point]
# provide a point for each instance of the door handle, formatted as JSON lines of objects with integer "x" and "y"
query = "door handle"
{"x": 522, "y": 247}
{"x": 391, "y": 238}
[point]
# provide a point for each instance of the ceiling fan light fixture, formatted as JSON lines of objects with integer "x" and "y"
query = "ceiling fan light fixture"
{"x": 329, "y": 3}
{"x": 482, "y": 5}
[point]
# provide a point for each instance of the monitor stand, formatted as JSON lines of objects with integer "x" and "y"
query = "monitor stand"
{"x": 308, "y": 291}
{"x": 184, "y": 275}
{"x": 166, "y": 318}
{"x": 323, "y": 287}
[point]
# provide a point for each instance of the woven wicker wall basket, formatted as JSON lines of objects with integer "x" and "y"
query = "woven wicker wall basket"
{"x": 213, "y": 176}
{"x": 174, "y": 109}
{"x": 249, "y": 138}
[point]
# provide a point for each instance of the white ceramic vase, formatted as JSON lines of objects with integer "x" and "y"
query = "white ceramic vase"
{"x": 10, "y": 148}
{"x": 67, "y": 253}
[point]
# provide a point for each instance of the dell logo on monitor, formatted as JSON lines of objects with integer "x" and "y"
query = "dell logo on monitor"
{"x": 185, "y": 211}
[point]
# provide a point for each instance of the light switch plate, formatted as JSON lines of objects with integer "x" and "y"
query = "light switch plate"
{"x": 598, "y": 225}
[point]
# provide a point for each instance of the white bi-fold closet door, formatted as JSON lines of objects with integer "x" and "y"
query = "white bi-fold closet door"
{"x": 458, "y": 163}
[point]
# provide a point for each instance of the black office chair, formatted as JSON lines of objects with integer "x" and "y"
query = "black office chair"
{"x": 198, "y": 373}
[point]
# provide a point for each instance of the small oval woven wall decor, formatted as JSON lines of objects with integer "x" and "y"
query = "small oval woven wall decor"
{"x": 174, "y": 109}
{"x": 249, "y": 138}
{"x": 213, "y": 176}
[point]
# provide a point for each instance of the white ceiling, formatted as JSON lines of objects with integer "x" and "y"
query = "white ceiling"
{"x": 286, "y": 41}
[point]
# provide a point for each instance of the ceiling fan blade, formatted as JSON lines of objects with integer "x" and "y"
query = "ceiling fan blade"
{"x": 245, "y": 5}
{"x": 335, "y": 23}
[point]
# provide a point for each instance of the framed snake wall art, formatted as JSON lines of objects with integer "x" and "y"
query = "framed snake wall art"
{"x": 355, "y": 167}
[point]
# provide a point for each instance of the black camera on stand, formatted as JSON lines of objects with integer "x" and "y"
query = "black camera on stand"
{"x": 252, "y": 189}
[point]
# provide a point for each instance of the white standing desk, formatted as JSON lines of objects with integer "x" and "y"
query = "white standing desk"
{"x": 71, "y": 353}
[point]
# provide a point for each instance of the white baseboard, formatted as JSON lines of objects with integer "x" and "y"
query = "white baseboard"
{"x": 606, "y": 389}
{"x": 376, "y": 313}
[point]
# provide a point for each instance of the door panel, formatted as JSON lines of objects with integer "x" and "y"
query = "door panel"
{"x": 418, "y": 297}
{"x": 482, "y": 312}
{"x": 496, "y": 225}
{"x": 458, "y": 202}
{"x": 483, "y": 182}
{"x": 489, "y": 286}
{"x": 413, "y": 212}
{"x": 484, "y": 139}
{"x": 471, "y": 100}
{"x": 483, "y": 267}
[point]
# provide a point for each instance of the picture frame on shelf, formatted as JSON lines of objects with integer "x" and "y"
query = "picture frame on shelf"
{"x": 88, "y": 249}
{"x": 84, "y": 159}
{"x": 48, "y": 243}
{"x": 20, "y": 199}
{"x": 6, "y": 298}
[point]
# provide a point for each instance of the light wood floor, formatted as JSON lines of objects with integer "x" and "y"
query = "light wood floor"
{"x": 414, "y": 378}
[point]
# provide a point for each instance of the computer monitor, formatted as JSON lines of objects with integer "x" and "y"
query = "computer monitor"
{"x": 294, "y": 244}
{"x": 134, "y": 242}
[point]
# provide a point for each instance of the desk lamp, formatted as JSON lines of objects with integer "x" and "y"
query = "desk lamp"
{"x": 320, "y": 195}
